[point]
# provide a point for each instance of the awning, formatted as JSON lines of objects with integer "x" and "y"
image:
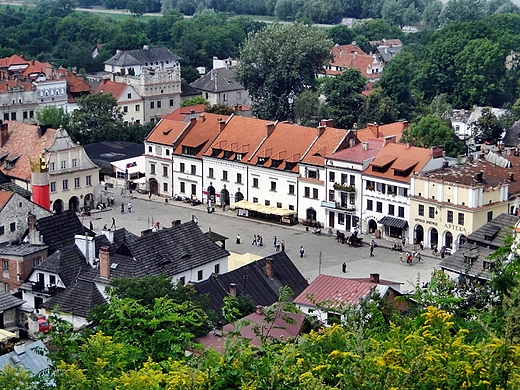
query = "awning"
{"x": 244, "y": 204}
{"x": 6, "y": 335}
{"x": 394, "y": 222}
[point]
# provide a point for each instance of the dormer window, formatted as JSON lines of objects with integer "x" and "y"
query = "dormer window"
{"x": 189, "y": 150}
{"x": 228, "y": 154}
{"x": 276, "y": 163}
{"x": 238, "y": 156}
{"x": 262, "y": 160}
{"x": 486, "y": 264}
{"x": 216, "y": 152}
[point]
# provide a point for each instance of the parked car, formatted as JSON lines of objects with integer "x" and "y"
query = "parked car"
{"x": 43, "y": 325}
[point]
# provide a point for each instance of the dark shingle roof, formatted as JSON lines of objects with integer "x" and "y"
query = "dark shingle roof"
{"x": 58, "y": 230}
{"x": 67, "y": 262}
{"x": 251, "y": 279}
{"x": 7, "y": 301}
{"x": 174, "y": 250}
{"x": 512, "y": 136}
{"x": 492, "y": 233}
{"x": 142, "y": 56}
{"x": 13, "y": 187}
{"x": 104, "y": 153}
{"x": 187, "y": 90}
{"x": 218, "y": 80}
{"x": 78, "y": 299}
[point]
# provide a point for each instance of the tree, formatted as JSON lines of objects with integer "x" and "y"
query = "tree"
{"x": 340, "y": 34}
{"x": 194, "y": 101}
{"x": 377, "y": 108}
{"x": 309, "y": 109}
{"x": 487, "y": 127}
{"x": 344, "y": 98}
{"x": 433, "y": 131}
{"x": 461, "y": 11}
{"x": 221, "y": 109}
{"x": 54, "y": 116}
{"x": 280, "y": 62}
{"x": 136, "y": 7}
{"x": 430, "y": 15}
{"x": 98, "y": 118}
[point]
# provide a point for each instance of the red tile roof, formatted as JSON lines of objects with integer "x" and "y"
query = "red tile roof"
{"x": 4, "y": 198}
{"x": 329, "y": 142}
{"x": 374, "y": 131}
{"x": 36, "y": 68}
{"x": 8, "y": 85}
{"x": 166, "y": 132}
{"x": 351, "y": 56}
{"x": 180, "y": 113}
{"x": 358, "y": 153}
{"x": 15, "y": 59}
{"x": 205, "y": 129}
{"x": 23, "y": 141}
{"x": 109, "y": 86}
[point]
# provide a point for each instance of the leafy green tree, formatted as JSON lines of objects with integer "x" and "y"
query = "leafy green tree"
{"x": 487, "y": 127}
{"x": 440, "y": 107}
{"x": 194, "y": 101}
{"x": 280, "y": 62}
{"x": 430, "y": 15}
{"x": 377, "y": 108}
{"x": 341, "y": 34}
{"x": 344, "y": 97}
{"x": 136, "y": 7}
{"x": 461, "y": 11}
{"x": 222, "y": 109}
{"x": 433, "y": 131}
{"x": 308, "y": 109}
{"x": 98, "y": 118}
{"x": 54, "y": 116}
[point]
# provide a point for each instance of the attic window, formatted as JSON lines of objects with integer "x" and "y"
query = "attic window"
{"x": 189, "y": 150}
{"x": 262, "y": 160}
{"x": 166, "y": 132}
{"x": 275, "y": 163}
{"x": 113, "y": 265}
{"x": 239, "y": 156}
{"x": 488, "y": 264}
{"x": 470, "y": 257}
{"x": 216, "y": 152}
{"x": 227, "y": 154}
{"x": 9, "y": 163}
{"x": 290, "y": 166}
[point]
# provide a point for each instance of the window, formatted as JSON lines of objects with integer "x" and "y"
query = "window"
{"x": 273, "y": 186}
{"x": 165, "y": 187}
{"x": 421, "y": 209}
{"x": 194, "y": 189}
{"x": 461, "y": 218}
{"x": 53, "y": 186}
{"x": 52, "y": 167}
{"x": 217, "y": 268}
{"x": 331, "y": 195}
{"x": 239, "y": 95}
{"x": 199, "y": 275}
{"x": 391, "y": 209}
{"x": 379, "y": 207}
{"x": 431, "y": 212}
{"x": 171, "y": 102}
{"x": 400, "y": 212}
{"x": 159, "y": 104}
{"x": 182, "y": 280}
{"x": 210, "y": 173}
{"x": 182, "y": 167}
{"x": 315, "y": 193}
{"x": 152, "y": 105}
{"x": 13, "y": 116}
{"x": 255, "y": 200}
{"x": 332, "y": 176}
{"x": 63, "y": 164}
{"x": 76, "y": 182}
{"x": 224, "y": 176}
{"x": 255, "y": 182}
{"x": 167, "y": 152}
{"x": 74, "y": 162}
{"x": 65, "y": 185}
{"x": 37, "y": 262}
{"x": 6, "y": 287}
{"x": 449, "y": 217}
{"x": 183, "y": 187}
{"x": 489, "y": 216}
{"x": 137, "y": 107}
{"x": 352, "y": 199}
{"x": 291, "y": 189}
{"x": 125, "y": 109}
{"x": 341, "y": 219}
{"x": 6, "y": 116}
{"x": 239, "y": 178}
{"x": 307, "y": 192}
{"x": 352, "y": 180}
{"x": 193, "y": 169}
{"x": 370, "y": 204}
{"x": 267, "y": 203}
{"x": 5, "y": 265}
{"x": 129, "y": 95}
{"x": 152, "y": 169}
{"x": 24, "y": 114}
{"x": 165, "y": 171}
{"x": 12, "y": 226}
{"x": 224, "y": 97}
{"x": 150, "y": 149}
{"x": 312, "y": 174}
{"x": 31, "y": 114}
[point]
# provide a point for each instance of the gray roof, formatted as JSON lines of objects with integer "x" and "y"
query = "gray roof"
{"x": 13, "y": 187}
{"x": 28, "y": 357}
{"x": 67, "y": 262}
{"x": 218, "y": 80}
{"x": 492, "y": 233}
{"x": 7, "y": 301}
{"x": 104, "y": 153}
{"x": 512, "y": 136}
{"x": 142, "y": 56}
{"x": 20, "y": 250}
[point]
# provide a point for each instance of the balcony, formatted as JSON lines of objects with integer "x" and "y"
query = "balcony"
{"x": 338, "y": 205}
{"x": 342, "y": 187}
{"x": 49, "y": 289}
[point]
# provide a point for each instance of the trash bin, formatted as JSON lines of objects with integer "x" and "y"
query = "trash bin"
{"x": 306, "y": 228}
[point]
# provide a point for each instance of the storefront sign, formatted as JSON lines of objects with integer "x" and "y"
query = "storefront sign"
{"x": 454, "y": 227}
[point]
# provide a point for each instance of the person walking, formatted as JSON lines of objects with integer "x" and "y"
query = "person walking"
{"x": 122, "y": 192}
{"x": 129, "y": 207}
{"x": 278, "y": 245}
{"x": 122, "y": 208}
{"x": 238, "y": 239}
{"x": 274, "y": 241}
{"x": 113, "y": 226}
{"x": 372, "y": 245}
{"x": 283, "y": 245}
{"x": 91, "y": 226}
{"x": 149, "y": 195}
{"x": 302, "y": 251}
{"x": 344, "y": 267}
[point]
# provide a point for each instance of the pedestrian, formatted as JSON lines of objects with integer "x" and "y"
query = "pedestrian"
{"x": 113, "y": 226}
{"x": 260, "y": 241}
{"x": 254, "y": 240}
{"x": 105, "y": 227}
{"x": 195, "y": 220}
{"x": 435, "y": 250}
{"x": 122, "y": 208}
{"x": 372, "y": 245}
{"x": 278, "y": 245}
{"x": 302, "y": 251}
{"x": 421, "y": 245}
{"x": 274, "y": 241}
{"x": 283, "y": 245}
{"x": 403, "y": 241}
{"x": 400, "y": 257}
{"x": 344, "y": 267}
{"x": 149, "y": 195}
{"x": 238, "y": 239}
{"x": 122, "y": 192}
{"x": 91, "y": 226}
{"x": 131, "y": 196}
{"x": 129, "y": 207}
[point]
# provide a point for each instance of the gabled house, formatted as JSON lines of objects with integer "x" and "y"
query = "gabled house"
{"x": 386, "y": 49}
{"x": 132, "y": 62}
{"x": 11, "y": 314}
{"x": 471, "y": 261}
{"x": 261, "y": 280}
{"x": 127, "y": 98}
{"x": 31, "y": 358}
{"x": 327, "y": 296}
{"x": 352, "y": 56}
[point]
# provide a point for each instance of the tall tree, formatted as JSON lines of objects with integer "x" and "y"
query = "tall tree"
{"x": 487, "y": 127}
{"x": 278, "y": 63}
{"x": 98, "y": 118}
{"x": 377, "y": 108}
{"x": 53, "y": 116}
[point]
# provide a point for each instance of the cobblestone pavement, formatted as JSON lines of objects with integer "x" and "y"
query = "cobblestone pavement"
{"x": 322, "y": 253}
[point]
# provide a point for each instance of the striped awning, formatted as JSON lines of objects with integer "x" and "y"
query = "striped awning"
{"x": 394, "y": 222}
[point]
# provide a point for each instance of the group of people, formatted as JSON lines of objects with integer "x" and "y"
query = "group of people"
{"x": 410, "y": 256}
{"x": 129, "y": 207}
{"x": 257, "y": 240}
{"x": 397, "y": 247}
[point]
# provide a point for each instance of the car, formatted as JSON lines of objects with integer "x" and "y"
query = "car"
{"x": 43, "y": 325}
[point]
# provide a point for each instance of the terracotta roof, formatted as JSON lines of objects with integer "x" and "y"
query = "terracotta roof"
{"x": 205, "y": 129}
{"x": 166, "y": 132}
{"x": 108, "y": 86}
{"x": 393, "y": 157}
{"x": 373, "y": 131}
{"x": 288, "y": 144}
{"x": 8, "y": 85}
{"x": 75, "y": 84}
{"x": 15, "y": 59}
{"x": 23, "y": 141}
{"x": 351, "y": 56}
{"x": 36, "y": 67}
{"x": 4, "y": 198}
{"x": 357, "y": 153}
{"x": 241, "y": 134}
{"x": 180, "y": 113}
{"x": 329, "y": 142}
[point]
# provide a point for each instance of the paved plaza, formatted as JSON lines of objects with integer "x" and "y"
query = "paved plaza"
{"x": 322, "y": 253}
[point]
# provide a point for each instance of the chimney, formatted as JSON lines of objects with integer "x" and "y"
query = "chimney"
{"x": 221, "y": 125}
{"x": 192, "y": 111}
{"x": 388, "y": 139}
{"x": 321, "y": 130}
{"x": 259, "y": 310}
{"x": 232, "y": 289}
{"x": 87, "y": 246}
{"x": 104, "y": 262}
{"x": 408, "y": 145}
{"x": 437, "y": 151}
{"x": 35, "y": 237}
{"x": 374, "y": 278}
{"x": 327, "y": 122}
{"x": 480, "y": 176}
{"x": 365, "y": 145}
{"x": 511, "y": 176}
{"x": 445, "y": 164}
{"x": 145, "y": 47}
{"x": 374, "y": 128}
{"x": 269, "y": 128}
{"x": 31, "y": 221}
{"x": 269, "y": 267}
{"x": 4, "y": 134}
